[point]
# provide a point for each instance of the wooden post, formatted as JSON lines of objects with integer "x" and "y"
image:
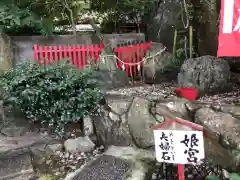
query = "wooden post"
{"x": 181, "y": 172}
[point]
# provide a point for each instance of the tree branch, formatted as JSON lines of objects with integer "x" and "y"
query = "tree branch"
{"x": 65, "y": 3}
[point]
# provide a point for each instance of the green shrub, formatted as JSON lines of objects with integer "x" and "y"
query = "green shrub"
{"x": 55, "y": 95}
{"x": 233, "y": 176}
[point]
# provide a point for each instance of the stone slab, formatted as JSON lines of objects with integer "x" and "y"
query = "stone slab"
{"x": 104, "y": 168}
{"x": 15, "y": 164}
{"x": 11, "y": 145}
{"x": 22, "y": 175}
{"x": 15, "y": 155}
{"x": 118, "y": 163}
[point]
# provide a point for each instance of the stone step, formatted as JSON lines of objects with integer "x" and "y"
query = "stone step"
{"x": 117, "y": 163}
{"x": 23, "y": 175}
{"x": 15, "y": 155}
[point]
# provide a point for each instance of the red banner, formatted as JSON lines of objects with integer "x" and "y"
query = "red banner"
{"x": 229, "y": 29}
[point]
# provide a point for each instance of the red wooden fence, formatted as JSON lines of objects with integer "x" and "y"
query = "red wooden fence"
{"x": 78, "y": 55}
{"x": 132, "y": 56}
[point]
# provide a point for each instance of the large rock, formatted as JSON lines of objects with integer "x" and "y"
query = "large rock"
{"x": 207, "y": 73}
{"x": 107, "y": 79}
{"x": 222, "y": 141}
{"x": 127, "y": 120}
{"x": 80, "y": 144}
{"x": 156, "y": 63}
{"x": 140, "y": 121}
{"x": 118, "y": 163}
{"x": 174, "y": 109}
{"x": 111, "y": 126}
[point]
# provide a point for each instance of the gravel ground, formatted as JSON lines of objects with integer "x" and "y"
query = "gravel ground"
{"x": 69, "y": 162}
{"x": 198, "y": 172}
{"x": 167, "y": 90}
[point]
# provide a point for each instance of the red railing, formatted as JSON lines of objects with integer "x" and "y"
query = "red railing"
{"x": 76, "y": 54}
{"x": 131, "y": 55}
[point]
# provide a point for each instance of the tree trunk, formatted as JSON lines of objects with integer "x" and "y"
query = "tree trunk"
{"x": 208, "y": 29}
{"x": 6, "y": 55}
{"x": 195, "y": 24}
{"x": 71, "y": 18}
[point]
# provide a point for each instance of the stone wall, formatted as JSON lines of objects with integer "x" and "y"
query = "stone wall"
{"x": 127, "y": 120}
{"x": 23, "y": 45}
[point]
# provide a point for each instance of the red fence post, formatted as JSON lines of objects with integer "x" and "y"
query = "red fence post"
{"x": 69, "y": 50}
{"x": 50, "y": 54}
{"x": 74, "y": 55}
{"x": 79, "y": 57}
{"x": 60, "y": 50}
{"x": 42, "y": 62}
{"x": 55, "y": 54}
{"x": 83, "y": 49}
{"x": 88, "y": 47}
{"x": 93, "y": 58}
{"x": 65, "y": 52}
{"x": 45, "y": 48}
{"x": 35, "y": 47}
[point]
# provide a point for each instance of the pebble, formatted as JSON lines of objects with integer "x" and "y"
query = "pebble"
{"x": 69, "y": 162}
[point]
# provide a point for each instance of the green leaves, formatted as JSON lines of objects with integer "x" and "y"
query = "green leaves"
{"x": 57, "y": 94}
{"x": 233, "y": 176}
{"x": 14, "y": 16}
{"x": 37, "y": 16}
{"x": 133, "y": 10}
{"x": 212, "y": 178}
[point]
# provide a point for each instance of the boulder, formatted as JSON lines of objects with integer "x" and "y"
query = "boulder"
{"x": 208, "y": 74}
{"x": 80, "y": 144}
{"x": 222, "y": 140}
{"x": 111, "y": 126}
{"x": 174, "y": 108}
{"x": 140, "y": 121}
{"x": 127, "y": 120}
{"x": 154, "y": 66}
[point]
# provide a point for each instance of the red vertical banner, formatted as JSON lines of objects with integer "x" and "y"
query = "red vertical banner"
{"x": 229, "y": 29}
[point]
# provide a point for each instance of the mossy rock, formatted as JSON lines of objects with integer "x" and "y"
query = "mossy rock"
{"x": 48, "y": 177}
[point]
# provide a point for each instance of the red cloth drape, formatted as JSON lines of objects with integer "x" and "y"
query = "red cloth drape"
{"x": 229, "y": 29}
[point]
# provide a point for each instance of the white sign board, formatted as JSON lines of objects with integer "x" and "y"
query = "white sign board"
{"x": 179, "y": 147}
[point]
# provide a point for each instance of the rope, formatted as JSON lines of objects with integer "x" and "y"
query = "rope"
{"x": 185, "y": 25}
{"x": 137, "y": 63}
{"x": 186, "y": 12}
{"x": 185, "y": 47}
